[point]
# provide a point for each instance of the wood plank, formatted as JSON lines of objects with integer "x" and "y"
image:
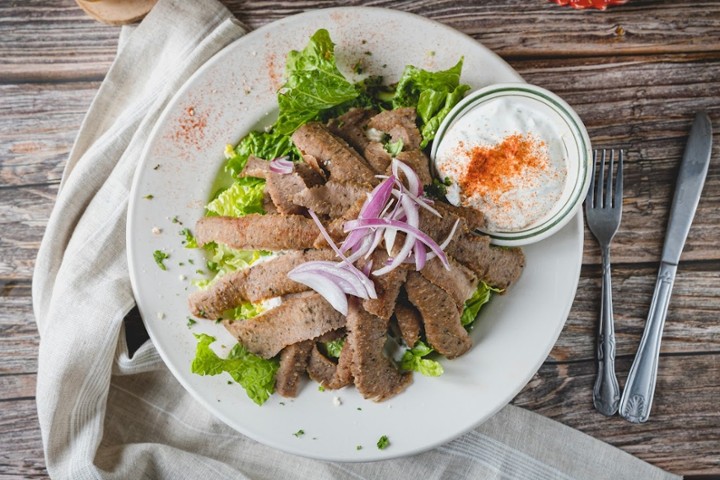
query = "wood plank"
{"x": 23, "y": 218}
{"x": 19, "y": 339}
{"x": 22, "y": 455}
{"x": 691, "y": 326}
{"x": 38, "y": 127}
{"x": 45, "y": 40}
{"x": 683, "y": 433}
{"x": 14, "y": 386}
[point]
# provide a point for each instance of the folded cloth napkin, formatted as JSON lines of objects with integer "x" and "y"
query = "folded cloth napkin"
{"x": 106, "y": 414}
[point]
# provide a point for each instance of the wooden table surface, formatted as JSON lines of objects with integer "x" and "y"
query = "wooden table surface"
{"x": 635, "y": 74}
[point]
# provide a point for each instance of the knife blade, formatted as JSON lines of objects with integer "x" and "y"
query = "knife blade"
{"x": 639, "y": 389}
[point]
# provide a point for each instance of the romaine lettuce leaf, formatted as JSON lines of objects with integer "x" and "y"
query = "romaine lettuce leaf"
{"x": 413, "y": 359}
{"x": 255, "y": 374}
{"x": 473, "y": 304}
{"x": 265, "y": 145}
{"x": 313, "y": 84}
{"x": 433, "y": 94}
{"x": 243, "y": 197}
{"x": 224, "y": 259}
{"x": 244, "y": 311}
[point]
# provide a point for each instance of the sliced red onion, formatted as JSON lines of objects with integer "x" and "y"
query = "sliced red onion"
{"x": 282, "y": 165}
{"x": 363, "y": 224}
{"x": 369, "y": 285}
{"x": 368, "y": 266}
{"x": 413, "y": 219}
{"x": 446, "y": 242}
{"x": 420, "y": 201}
{"x": 420, "y": 255}
{"x": 344, "y": 278}
{"x": 372, "y": 208}
{"x": 413, "y": 180}
{"x": 326, "y": 287}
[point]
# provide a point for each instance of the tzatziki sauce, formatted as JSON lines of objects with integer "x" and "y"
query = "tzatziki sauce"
{"x": 505, "y": 157}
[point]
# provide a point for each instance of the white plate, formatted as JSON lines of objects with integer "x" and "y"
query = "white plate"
{"x": 234, "y": 93}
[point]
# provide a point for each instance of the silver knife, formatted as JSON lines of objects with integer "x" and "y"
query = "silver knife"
{"x": 637, "y": 396}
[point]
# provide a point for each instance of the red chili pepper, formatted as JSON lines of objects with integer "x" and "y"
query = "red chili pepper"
{"x": 599, "y": 4}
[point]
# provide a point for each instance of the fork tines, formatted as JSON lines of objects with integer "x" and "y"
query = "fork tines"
{"x": 612, "y": 197}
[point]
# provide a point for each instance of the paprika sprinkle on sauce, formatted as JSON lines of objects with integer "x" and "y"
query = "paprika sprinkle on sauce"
{"x": 494, "y": 170}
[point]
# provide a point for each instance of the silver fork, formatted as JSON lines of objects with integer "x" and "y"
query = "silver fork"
{"x": 603, "y": 211}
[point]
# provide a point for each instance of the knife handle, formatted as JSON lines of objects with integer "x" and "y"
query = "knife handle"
{"x": 639, "y": 389}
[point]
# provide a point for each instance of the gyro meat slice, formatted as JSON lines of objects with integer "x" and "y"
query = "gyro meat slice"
{"x": 459, "y": 281}
{"x": 333, "y": 154}
{"x": 328, "y": 373}
{"x": 441, "y": 318}
{"x": 499, "y": 267}
{"x": 332, "y": 199}
{"x": 283, "y": 187}
{"x": 387, "y": 286}
{"x": 376, "y": 377}
{"x": 400, "y": 124}
{"x": 351, "y": 127}
{"x": 299, "y": 317}
{"x": 419, "y": 162}
{"x": 293, "y": 362}
{"x": 377, "y": 157}
{"x": 258, "y": 232}
{"x": 261, "y": 281}
{"x": 409, "y": 322}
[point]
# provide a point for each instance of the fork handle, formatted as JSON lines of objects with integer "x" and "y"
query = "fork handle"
{"x": 640, "y": 386}
{"x": 606, "y": 393}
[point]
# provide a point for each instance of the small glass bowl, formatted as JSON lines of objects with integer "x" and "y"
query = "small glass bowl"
{"x": 575, "y": 142}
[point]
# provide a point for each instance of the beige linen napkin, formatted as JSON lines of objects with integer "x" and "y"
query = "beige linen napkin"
{"x": 104, "y": 414}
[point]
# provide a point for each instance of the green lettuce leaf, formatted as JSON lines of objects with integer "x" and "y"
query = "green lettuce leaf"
{"x": 413, "y": 359}
{"x": 265, "y": 145}
{"x": 433, "y": 94}
{"x": 314, "y": 84}
{"x": 243, "y": 197}
{"x": 244, "y": 311}
{"x": 255, "y": 374}
{"x": 224, "y": 259}
{"x": 473, "y": 304}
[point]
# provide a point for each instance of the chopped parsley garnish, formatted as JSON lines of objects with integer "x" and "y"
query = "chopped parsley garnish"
{"x": 358, "y": 447}
{"x": 438, "y": 189}
{"x": 191, "y": 322}
{"x": 189, "y": 241}
{"x": 334, "y": 347}
{"x": 383, "y": 442}
{"x": 299, "y": 433}
{"x": 149, "y": 196}
{"x": 175, "y": 220}
{"x": 159, "y": 257}
{"x": 321, "y": 388}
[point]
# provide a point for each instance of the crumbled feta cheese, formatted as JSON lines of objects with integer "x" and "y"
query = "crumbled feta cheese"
{"x": 336, "y": 401}
{"x": 160, "y": 315}
{"x": 156, "y": 231}
{"x": 182, "y": 277}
